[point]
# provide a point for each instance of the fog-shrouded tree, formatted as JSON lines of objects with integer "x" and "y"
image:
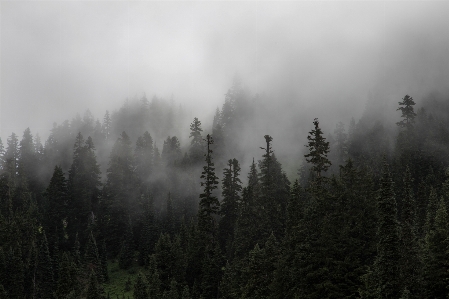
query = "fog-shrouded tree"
{"x": 196, "y": 151}
{"x": 318, "y": 150}
{"x": 84, "y": 190}
{"x": 209, "y": 204}
{"x": 408, "y": 113}
{"x": 231, "y": 186}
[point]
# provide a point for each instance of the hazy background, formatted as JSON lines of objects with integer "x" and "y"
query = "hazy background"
{"x": 310, "y": 59}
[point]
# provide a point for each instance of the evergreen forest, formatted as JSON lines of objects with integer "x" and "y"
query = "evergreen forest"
{"x": 119, "y": 208}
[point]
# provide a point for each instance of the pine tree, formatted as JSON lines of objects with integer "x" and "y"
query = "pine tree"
{"x": 120, "y": 192}
{"x": 318, "y": 150}
{"x": 209, "y": 204}
{"x": 196, "y": 150}
{"x": 83, "y": 185}
{"x": 57, "y": 196}
{"x": 408, "y": 113}
{"x": 229, "y": 207}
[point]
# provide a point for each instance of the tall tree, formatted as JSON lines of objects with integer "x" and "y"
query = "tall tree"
{"x": 196, "y": 150}
{"x": 56, "y": 206}
{"x": 318, "y": 150}
{"x": 83, "y": 184}
{"x": 408, "y": 113}
{"x": 209, "y": 204}
{"x": 120, "y": 193}
{"x": 232, "y": 186}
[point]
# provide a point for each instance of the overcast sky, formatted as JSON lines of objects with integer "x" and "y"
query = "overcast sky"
{"x": 63, "y": 57}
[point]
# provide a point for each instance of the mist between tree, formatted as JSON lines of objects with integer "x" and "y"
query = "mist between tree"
{"x": 180, "y": 199}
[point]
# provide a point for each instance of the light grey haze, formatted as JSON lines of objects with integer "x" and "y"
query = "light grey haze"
{"x": 317, "y": 59}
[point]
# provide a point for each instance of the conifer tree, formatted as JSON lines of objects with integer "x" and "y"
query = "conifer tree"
{"x": 154, "y": 282}
{"x": 120, "y": 192}
{"x": 436, "y": 255}
{"x": 196, "y": 151}
{"x": 410, "y": 264}
{"x": 44, "y": 270}
{"x": 143, "y": 157}
{"x": 209, "y": 205}
{"x": 386, "y": 265}
{"x": 229, "y": 207}
{"x": 83, "y": 185}
{"x": 107, "y": 128}
{"x": 56, "y": 208}
{"x": 140, "y": 287}
{"x": 65, "y": 280}
{"x": 127, "y": 248}
{"x": 408, "y": 113}
{"x": 94, "y": 290}
{"x": 92, "y": 259}
{"x": 318, "y": 150}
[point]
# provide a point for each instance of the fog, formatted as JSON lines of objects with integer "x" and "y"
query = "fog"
{"x": 307, "y": 59}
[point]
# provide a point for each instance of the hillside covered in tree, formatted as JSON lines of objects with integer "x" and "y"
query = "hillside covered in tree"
{"x": 364, "y": 215}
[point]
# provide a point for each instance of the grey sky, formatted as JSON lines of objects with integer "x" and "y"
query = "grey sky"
{"x": 63, "y": 57}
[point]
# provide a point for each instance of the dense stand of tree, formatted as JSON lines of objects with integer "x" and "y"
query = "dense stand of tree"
{"x": 365, "y": 218}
